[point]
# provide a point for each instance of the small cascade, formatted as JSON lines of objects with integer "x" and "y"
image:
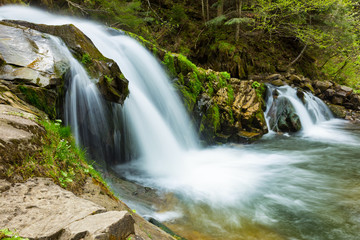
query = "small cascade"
{"x": 289, "y": 109}
{"x": 153, "y": 122}
{"x": 85, "y": 110}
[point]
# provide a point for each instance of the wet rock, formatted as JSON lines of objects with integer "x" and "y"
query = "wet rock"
{"x": 283, "y": 117}
{"x": 355, "y": 100}
{"x": 300, "y": 94}
{"x": 223, "y": 120}
{"x": 307, "y": 86}
{"x": 39, "y": 209}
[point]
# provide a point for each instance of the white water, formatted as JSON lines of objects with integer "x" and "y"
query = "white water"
{"x": 282, "y": 182}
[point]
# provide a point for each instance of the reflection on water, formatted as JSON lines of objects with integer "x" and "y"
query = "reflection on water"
{"x": 301, "y": 186}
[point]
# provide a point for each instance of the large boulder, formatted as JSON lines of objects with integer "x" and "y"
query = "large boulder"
{"x": 30, "y": 57}
{"x": 283, "y": 117}
{"x": 39, "y": 209}
{"x": 233, "y": 114}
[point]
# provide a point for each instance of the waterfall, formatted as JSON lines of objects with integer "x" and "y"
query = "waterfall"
{"x": 309, "y": 108}
{"x": 156, "y": 121}
{"x": 300, "y": 186}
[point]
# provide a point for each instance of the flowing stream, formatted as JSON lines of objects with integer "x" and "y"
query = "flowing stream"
{"x": 298, "y": 186}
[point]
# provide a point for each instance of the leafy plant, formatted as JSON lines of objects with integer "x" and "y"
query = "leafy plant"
{"x": 86, "y": 59}
{"x": 109, "y": 79}
{"x": 6, "y": 234}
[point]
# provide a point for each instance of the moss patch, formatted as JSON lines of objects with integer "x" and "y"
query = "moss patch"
{"x": 39, "y": 98}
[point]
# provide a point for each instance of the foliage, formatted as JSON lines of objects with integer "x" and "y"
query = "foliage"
{"x": 260, "y": 89}
{"x": 86, "y": 59}
{"x": 109, "y": 79}
{"x": 6, "y": 234}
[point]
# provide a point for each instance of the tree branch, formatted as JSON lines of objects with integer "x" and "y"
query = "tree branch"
{"x": 298, "y": 57}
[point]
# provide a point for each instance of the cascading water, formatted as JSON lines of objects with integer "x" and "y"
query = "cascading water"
{"x": 303, "y": 186}
{"x": 310, "y": 109}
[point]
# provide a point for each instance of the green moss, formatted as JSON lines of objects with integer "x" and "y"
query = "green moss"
{"x": 38, "y": 100}
{"x": 231, "y": 115}
{"x": 212, "y": 77}
{"x": 86, "y": 59}
{"x": 215, "y": 117}
{"x": 230, "y": 92}
{"x": 226, "y": 47}
{"x": 210, "y": 89}
{"x": 155, "y": 51}
{"x": 225, "y": 75}
{"x": 260, "y": 89}
{"x": 189, "y": 98}
{"x": 196, "y": 85}
{"x": 186, "y": 65}
{"x": 109, "y": 79}
{"x": 169, "y": 63}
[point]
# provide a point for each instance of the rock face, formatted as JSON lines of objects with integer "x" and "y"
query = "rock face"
{"x": 39, "y": 209}
{"x": 20, "y": 136}
{"x": 112, "y": 84}
{"x": 232, "y": 118}
{"x": 34, "y": 68}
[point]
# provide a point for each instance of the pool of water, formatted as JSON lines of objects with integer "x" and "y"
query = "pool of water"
{"x": 300, "y": 186}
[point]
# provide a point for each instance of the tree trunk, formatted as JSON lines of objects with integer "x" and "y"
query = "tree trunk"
{"x": 203, "y": 10}
{"x": 237, "y": 33}
{"x": 207, "y": 11}
{"x": 220, "y": 8}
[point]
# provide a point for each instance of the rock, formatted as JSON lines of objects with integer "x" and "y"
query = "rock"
{"x": 322, "y": 85}
{"x": 337, "y": 100}
{"x": 300, "y": 94}
{"x": 109, "y": 225}
{"x": 355, "y": 100}
{"x": 295, "y": 79}
{"x": 308, "y": 87}
{"x": 278, "y": 83}
{"x": 20, "y": 136}
{"x": 31, "y": 57}
{"x": 337, "y": 110}
{"x": 39, "y": 209}
{"x": 112, "y": 84}
{"x": 343, "y": 91}
{"x": 221, "y": 120}
{"x": 283, "y": 117}
{"x": 329, "y": 93}
{"x": 273, "y": 77}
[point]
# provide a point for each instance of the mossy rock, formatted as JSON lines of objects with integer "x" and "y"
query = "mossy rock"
{"x": 41, "y": 98}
